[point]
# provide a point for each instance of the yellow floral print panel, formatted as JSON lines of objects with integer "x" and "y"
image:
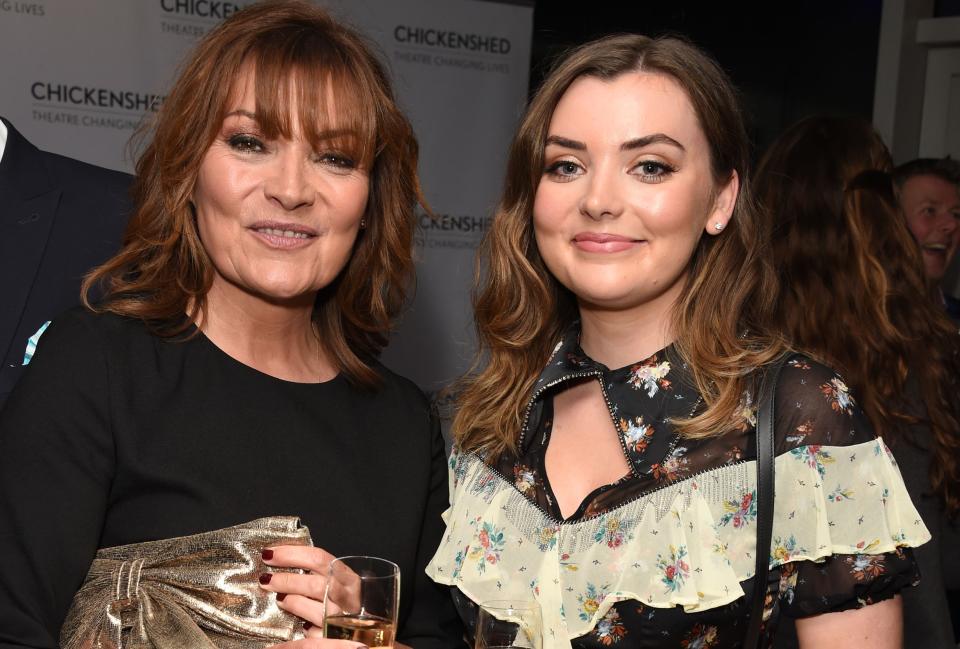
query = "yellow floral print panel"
{"x": 690, "y": 543}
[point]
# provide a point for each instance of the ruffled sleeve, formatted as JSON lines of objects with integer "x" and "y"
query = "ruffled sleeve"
{"x": 820, "y": 424}
{"x": 843, "y": 582}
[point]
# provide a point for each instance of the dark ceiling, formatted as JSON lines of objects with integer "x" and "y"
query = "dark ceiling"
{"x": 789, "y": 59}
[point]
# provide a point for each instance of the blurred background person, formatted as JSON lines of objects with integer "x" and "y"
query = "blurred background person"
{"x": 227, "y": 387}
{"x": 59, "y": 218}
{"x": 852, "y": 293}
{"x": 929, "y": 194}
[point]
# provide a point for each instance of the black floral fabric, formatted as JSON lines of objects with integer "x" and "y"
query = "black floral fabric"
{"x": 814, "y": 412}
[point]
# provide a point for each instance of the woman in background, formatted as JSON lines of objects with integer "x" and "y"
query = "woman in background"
{"x": 853, "y": 294}
{"x": 604, "y": 450}
{"x": 228, "y": 381}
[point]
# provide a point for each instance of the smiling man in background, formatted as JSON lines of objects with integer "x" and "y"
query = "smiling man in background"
{"x": 929, "y": 192}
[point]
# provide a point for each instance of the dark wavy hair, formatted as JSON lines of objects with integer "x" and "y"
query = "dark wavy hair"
{"x": 853, "y": 290}
{"x": 163, "y": 272}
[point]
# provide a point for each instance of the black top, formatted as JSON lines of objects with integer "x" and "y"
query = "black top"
{"x": 952, "y": 306}
{"x": 115, "y": 436}
{"x": 926, "y": 613}
{"x": 59, "y": 218}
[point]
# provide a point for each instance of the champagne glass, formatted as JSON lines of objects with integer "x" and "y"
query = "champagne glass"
{"x": 361, "y": 601}
{"x": 503, "y": 624}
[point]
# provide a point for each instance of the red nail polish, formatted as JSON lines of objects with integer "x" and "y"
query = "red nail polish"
{"x": 281, "y": 597}
{"x": 266, "y": 554}
{"x": 265, "y": 578}
{"x": 307, "y": 626}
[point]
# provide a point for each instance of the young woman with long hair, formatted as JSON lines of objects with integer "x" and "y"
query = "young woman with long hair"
{"x": 853, "y": 294}
{"x": 604, "y": 449}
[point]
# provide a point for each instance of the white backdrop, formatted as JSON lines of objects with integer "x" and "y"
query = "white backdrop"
{"x": 77, "y": 76}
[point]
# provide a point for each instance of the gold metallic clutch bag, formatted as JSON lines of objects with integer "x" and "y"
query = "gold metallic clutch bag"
{"x": 190, "y": 592}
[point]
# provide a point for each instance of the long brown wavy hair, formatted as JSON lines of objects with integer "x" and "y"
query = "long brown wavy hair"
{"x": 853, "y": 290}
{"x": 163, "y": 272}
{"x": 720, "y": 321}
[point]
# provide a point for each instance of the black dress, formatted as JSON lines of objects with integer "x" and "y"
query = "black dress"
{"x": 115, "y": 436}
{"x": 664, "y": 557}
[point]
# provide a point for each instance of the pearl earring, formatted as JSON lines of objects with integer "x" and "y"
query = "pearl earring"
{"x": 363, "y": 224}
{"x": 718, "y": 226}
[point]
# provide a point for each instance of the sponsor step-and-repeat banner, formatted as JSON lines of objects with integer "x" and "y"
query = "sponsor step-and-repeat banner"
{"x": 79, "y": 77}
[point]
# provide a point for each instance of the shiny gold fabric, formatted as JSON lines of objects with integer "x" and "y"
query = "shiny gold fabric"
{"x": 190, "y": 592}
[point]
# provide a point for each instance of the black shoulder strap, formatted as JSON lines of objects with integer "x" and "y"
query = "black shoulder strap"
{"x": 765, "y": 497}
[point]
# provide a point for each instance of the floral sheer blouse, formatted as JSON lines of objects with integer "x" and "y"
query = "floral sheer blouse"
{"x": 664, "y": 556}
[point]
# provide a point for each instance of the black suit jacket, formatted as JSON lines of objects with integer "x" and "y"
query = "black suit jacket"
{"x": 58, "y": 219}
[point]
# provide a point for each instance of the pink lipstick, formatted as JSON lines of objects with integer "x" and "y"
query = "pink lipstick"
{"x": 287, "y": 236}
{"x": 603, "y": 242}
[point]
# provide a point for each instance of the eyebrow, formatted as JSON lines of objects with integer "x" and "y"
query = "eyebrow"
{"x": 629, "y": 145}
{"x": 330, "y": 134}
{"x": 566, "y": 143}
{"x": 655, "y": 138}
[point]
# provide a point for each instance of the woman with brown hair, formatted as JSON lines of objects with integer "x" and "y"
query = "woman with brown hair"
{"x": 853, "y": 293}
{"x": 605, "y": 449}
{"x": 227, "y": 383}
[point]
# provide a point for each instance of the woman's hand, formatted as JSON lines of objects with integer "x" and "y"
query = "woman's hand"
{"x": 300, "y": 594}
{"x": 877, "y": 626}
{"x": 319, "y": 642}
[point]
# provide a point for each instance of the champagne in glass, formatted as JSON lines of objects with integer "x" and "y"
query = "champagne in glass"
{"x": 371, "y": 630}
{"x": 506, "y": 624}
{"x": 362, "y": 601}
